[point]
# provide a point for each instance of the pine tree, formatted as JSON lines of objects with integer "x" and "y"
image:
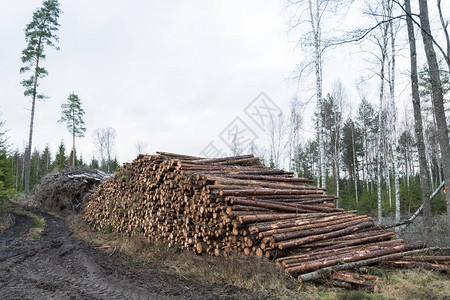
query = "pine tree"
{"x": 38, "y": 33}
{"x": 72, "y": 115}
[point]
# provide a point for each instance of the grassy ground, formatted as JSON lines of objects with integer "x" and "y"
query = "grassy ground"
{"x": 262, "y": 276}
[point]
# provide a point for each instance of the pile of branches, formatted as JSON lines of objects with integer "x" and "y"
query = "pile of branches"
{"x": 69, "y": 189}
{"x": 223, "y": 206}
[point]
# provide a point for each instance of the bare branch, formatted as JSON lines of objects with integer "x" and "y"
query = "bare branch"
{"x": 446, "y": 56}
{"x": 444, "y": 27}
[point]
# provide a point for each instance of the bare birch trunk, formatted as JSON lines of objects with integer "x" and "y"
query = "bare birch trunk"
{"x": 380, "y": 119}
{"x": 355, "y": 177}
{"x": 380, "y": 123}
{"x": 315, "y": 24}
{"x": 394, "y": 119}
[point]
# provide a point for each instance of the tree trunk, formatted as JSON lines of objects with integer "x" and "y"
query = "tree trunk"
{"x": 345, "y": 266}
{"x": 438, "y": 98}
{"x": 355, "y": 179}
{"x": 424, "y": 180}
{"x": 73, "y": 138}
{"x": 315, "y": 24}
{"x": 394, "y": 119}
{"x": 380, "y": 124}
{"x": 429, "y": 160}
{"x": 30, "y": 136}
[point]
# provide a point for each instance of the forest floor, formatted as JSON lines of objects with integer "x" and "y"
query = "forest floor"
{"x": 46, "y": 256}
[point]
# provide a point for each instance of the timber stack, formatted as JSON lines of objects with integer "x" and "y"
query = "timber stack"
{"x": 223, "y": 206}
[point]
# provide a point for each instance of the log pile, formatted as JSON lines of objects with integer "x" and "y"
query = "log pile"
{"x": 223, "y": 206}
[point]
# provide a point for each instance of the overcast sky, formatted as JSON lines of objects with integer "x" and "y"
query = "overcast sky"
{"x": 171, "y": 74}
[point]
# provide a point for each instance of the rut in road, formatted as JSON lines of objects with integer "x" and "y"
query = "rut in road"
{"x": 59, "y": 266}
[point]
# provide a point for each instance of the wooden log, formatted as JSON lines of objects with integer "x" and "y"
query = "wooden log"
{"x": 269, "y": 178}
{"x": 280, "y": 206}
{"x": 305, "y": 219}
{"x": 356, "y": 281}
{"x": 319, "y": 254}
{"x": 419, "y": 264}
{"x": 264, "y": 191}
{"x": 365, "y": 262}
{"x": 267, "y": 217}
{"x": 301, "y": 241}
{"x": 303, "y": 224}
{"x": 319, "y": 229}
{"x": 428, "y": 258}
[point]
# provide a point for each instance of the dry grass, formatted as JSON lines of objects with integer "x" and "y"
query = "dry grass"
{"x": 257, "y": 275}
{"x": 416, "y": 284}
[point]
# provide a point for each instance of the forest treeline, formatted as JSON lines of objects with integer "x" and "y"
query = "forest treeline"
{"x": 352, "y": 153}
{"x": 12, "y": 165}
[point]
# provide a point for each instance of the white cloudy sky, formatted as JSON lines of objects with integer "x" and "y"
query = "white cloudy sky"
{"x": 171, "y": 74}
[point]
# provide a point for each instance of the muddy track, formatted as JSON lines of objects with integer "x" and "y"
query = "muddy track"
{"x": 59, "y": 266}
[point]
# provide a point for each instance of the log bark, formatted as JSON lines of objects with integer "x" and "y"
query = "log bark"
{"x": 326, "y": 271}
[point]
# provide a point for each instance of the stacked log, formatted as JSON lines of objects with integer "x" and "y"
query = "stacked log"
{"x": 428, "y": 262}
{"x": 222, "y": 206}
{"x": 351, "y": 280}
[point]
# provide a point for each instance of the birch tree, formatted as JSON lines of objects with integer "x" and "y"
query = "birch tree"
{"x": 312, "y": 13}
{"x": 104, "y": 139}
{"x": 278, "y": 143}
{"x": 393, "y": 109}
{"x": 295, "y": 122}
{"x": 382, "y": 43}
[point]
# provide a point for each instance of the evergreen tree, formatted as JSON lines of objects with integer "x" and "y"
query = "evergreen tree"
{"x": 18, "y": 163}
{"x": 366, "y": 120}
{"x": 34, "y": 169}
{"x": 38, "y": 33}
{"x": 6, "y": 172}
{"x": 45, "y": 161}
{"x": 94, "y": 164}
{"x": 60, "y": 159}
{"x": 114, "y": 165}
{"x": 72, "y": 115}
{"x": 351, "y": 148}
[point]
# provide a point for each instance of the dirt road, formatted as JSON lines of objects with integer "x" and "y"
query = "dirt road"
{"x": 59, "y": 266}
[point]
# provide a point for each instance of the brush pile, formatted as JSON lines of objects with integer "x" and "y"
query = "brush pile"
{"x": 69, "y": 189}
{"x": 223, "y": 206}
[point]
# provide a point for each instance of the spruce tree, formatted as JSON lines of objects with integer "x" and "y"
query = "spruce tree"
{"x": 6, "y": 172}
{"x": 60, "y": 159}
{"x": 38, "y": 34}
{"x": 72, "y": 115}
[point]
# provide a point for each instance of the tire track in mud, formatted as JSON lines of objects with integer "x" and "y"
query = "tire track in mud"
{"x": 58, "y": 266}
